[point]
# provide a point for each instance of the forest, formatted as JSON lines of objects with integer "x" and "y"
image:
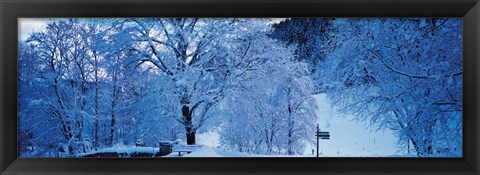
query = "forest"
{"x": 87, "y": 84}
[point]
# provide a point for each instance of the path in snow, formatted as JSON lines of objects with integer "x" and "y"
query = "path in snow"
{"x": 349, "y": 138}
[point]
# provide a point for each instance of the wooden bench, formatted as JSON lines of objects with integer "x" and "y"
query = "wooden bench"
{"x": 185, "y": 149}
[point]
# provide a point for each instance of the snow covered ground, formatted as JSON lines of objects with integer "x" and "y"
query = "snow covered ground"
{"x": 348, "y": 138}
{"x": 207, "y": 151}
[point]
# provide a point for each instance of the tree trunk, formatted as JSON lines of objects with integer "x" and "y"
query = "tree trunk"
{"x": 114, "y": 105}
{"x": 417, "y": 148}
{"x": 191, "y": 138}
{"x": 290, "y": 144}
{"x": 423, "y": 150}
{"x": 290, "y": 126}
{"x": 187, "y": 114}
{"x": 112, "y": 126}
{"x": 70, "y": 149}
{"x": 95, "y": 134}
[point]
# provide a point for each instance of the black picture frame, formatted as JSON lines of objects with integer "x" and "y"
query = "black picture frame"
{"x": 11, "y": 10}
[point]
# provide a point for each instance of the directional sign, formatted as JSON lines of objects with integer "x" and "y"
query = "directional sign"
{"x": 323, "y": 133}
{"x": 320, "y": 134}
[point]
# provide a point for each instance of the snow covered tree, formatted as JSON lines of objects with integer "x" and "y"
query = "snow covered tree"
{"x": 402, "y": 74}
{"x": 312, "y": 38}
{"x": 300, "y": 111}
{"x": 271, "y": 111}
{"x": 63, "y": 66}
{"x": 33, "y": 141}
{"x": 200, "y": 57}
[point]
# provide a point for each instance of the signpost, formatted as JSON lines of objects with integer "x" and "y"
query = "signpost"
{"x": 321, "y": 135}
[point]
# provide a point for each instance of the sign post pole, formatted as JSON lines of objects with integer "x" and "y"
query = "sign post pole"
{"x": 321, "y": 135}
{"x": 318, "y": 137}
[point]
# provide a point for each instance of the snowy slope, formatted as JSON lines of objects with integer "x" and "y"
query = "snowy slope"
{"x": 349, "y": 138}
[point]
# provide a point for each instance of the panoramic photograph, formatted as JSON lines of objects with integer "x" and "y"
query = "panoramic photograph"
{"x": 239, "y": 87}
